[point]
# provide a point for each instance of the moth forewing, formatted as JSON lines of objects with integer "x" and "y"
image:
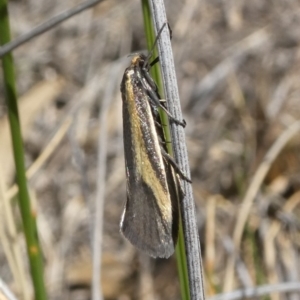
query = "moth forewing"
{"x": 148, "y": 217}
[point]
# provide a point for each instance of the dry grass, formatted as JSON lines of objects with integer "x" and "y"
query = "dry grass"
{"x": 238, "y": 67}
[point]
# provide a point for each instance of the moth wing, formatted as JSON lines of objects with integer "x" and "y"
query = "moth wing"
{"x": 144, "y": 224}
{"x": 147, "y": 220}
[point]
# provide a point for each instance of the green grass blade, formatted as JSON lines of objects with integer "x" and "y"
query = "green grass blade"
{"x": 28, "y": 216}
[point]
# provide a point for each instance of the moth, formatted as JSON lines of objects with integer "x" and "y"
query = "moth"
{"x": 150, "y": 219}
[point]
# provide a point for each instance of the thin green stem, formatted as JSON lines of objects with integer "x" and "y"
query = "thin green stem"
{"x": 28, "y": 215}
{"x": 182, "y": 266}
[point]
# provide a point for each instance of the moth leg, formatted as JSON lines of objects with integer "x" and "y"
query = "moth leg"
{"x": 158, "y": 124}
{"x": 154, "y": 99}
{"x": 170, "y": 31}
{"x": 175, "y": 166}
{"x": 149, "y": 79}
{"x": 154, "y": 61}
{"x": 179, "y": 189}
{"x": 173, "y": 119}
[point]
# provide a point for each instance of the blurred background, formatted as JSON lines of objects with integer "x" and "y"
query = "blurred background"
{"x": 238, "y": 67}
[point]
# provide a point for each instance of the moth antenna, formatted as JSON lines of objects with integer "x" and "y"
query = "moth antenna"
{"x": 154, "y": 44}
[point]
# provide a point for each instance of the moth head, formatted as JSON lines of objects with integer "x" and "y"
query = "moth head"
{"x": 138, "y": 60}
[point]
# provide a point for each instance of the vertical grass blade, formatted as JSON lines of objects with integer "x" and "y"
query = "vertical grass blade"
{"x": 28, "y": 216}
